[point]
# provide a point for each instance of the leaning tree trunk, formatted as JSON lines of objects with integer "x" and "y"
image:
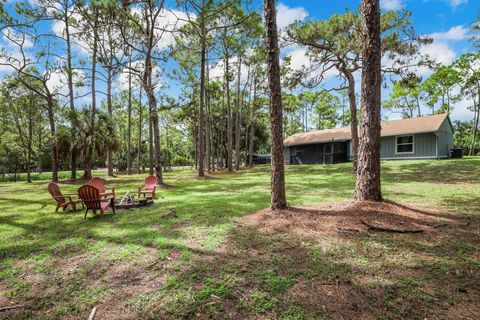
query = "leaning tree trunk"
{"x": 278, "y": 199}
{"x": 368, "y": 172}
{"x": 353, "y": 118}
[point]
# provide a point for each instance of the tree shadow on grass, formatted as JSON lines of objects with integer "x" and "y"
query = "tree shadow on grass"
{"x": 274, "y": 274}
{"x": 453, "y": 171}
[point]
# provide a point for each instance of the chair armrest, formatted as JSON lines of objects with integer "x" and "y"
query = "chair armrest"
{"x": 63, "y": 197}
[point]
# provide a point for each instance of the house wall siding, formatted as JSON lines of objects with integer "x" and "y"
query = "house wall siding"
{"x": 445, "y": 139}
{"x": 423, "y": 147}
{"x": 286, "y": 155}
{"x": 426, "y": 145}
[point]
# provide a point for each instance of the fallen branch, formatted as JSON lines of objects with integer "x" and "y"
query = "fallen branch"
{"x": 92, "y": 314}
{"x": 375, "y": 227}
{"x": 12, "y": 307}
{"x": 347, "y": 229}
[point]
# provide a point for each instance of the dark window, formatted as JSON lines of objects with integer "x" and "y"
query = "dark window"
{"x": 328, "y": 148}
{"x": 340, "y": 148}
{"x": 405, "y": 144}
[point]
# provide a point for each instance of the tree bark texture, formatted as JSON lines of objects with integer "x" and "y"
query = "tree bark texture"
{"x": 278, "y": 197}
{"x": 201, "y": 106}
{"x": 129, "y": 125}
{"x": 229, "y": 117}
{"x": 73, "y": 149}
{"x": 353, "y": 118}
{"x": 368, "y": 172}
{"x": 238, "y": 120}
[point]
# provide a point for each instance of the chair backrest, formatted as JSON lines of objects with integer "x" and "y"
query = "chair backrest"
{"x": 98, "y": 183}
{"x": 55, "y": 192}
{"x": 90, "y": 196}
{"x": 150, "y": 182}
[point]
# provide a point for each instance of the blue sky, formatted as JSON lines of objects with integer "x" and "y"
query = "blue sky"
{"x": 446, "y": 21}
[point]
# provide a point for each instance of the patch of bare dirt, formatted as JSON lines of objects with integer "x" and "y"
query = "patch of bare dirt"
{"x": 348, "y": 216}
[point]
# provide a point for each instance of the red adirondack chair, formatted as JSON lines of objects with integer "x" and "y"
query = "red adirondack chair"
{"x": 94, "y": 201}
{"x": 63, "y": 200}
{"x": 151, "y": 184}
{"x": 99, "y": 183}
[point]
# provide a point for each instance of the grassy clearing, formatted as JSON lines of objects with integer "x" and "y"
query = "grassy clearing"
{"x": 185, "y": 257}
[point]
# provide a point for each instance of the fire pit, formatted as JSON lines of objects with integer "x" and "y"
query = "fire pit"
{"x": 129, "y": 202}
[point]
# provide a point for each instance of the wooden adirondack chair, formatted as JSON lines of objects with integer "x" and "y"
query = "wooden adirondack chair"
{"x": 99, "y": 183}
{"x": 63, "y": 200}
{"x": 94, "y": 201}
{"x": 151, "y": 184}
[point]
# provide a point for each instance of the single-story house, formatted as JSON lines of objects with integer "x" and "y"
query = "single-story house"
{"x": 428, "y": 137}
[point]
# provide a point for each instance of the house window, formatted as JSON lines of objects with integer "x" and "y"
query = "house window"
{"x": 405, "y": 144}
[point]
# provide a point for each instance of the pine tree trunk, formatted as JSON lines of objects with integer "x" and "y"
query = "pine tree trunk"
{"x": 252, "y": 125}
{"x": 201, "y": 103}
{"x": 475, "y": 122}
{"x": 368, "y": 173}
{"x": 129, "y": 124}
{"x": 71, "y": 96}
{"x": 353, "y": 118}
{"x": 229, "y": 117}
{"x": 150, "y": 142}
{"x": 208, "y": 123}
{"x": 40, "y": 147}
{"x": 53, "y": 134}
{"x": 29, "y": 144}
{"x": 110, "y": 113}
{"x": 237, "y": 117}
{"x": 278, "y": 199}
{"x": 87, "y": 174}
{"x": 139, "y": 145}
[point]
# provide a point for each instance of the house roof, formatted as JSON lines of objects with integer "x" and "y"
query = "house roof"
{"x": 389, "y": 128}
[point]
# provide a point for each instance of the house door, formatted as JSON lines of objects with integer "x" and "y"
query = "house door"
{"x": 328, "y": 153}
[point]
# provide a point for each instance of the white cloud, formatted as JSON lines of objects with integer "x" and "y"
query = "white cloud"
{"x": 58, "y": 82}
{"x": 168, "y": 22}
{"x": 217, "y": 70}
{"x": 461, "y": 112}
{"x": 391, "y": 5}
{"x": 299, "y": 58}
{"x": 456, "y": 3}
{"x": 122, "y": 80}
{"x": 287, "y": 15}
{"x": 438, "y": 51}
{"x": 453, "y": 34}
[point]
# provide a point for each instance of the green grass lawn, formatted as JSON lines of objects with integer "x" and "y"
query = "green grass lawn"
{"x": 164, "y": 262}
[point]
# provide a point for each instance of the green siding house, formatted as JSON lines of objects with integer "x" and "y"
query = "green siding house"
{"x": 429, "y": 137}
